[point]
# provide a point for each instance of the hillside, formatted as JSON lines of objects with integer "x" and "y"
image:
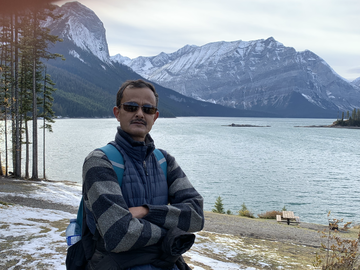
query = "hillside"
{"x": 87, "y": 81}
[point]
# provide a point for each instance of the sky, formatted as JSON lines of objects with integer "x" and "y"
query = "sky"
{"x": 328, "y": 28}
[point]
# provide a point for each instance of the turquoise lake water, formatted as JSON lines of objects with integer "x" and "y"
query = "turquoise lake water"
{"x": 308, "y": 170}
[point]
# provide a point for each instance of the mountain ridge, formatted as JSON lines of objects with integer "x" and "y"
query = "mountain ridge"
{"x": 250, "y": 75}
{"x": 237, "y": 78}
{"x": 88, "y": 80}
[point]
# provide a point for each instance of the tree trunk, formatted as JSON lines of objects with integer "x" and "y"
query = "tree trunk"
{"x": 12, "y": 95}
{"x": 27, "y": 155}
{"x": 17, "y": 169}
{"x": 35, "y": 175}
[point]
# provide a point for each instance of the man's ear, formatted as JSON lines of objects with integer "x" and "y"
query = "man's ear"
{"x": 116, "y": 112}
{"x": 156, "y": 115}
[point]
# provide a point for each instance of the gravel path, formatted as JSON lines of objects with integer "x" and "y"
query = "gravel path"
{"x": 303, "y": 234}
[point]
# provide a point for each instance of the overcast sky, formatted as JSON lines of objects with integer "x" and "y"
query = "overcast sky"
{"x": 329, "y": 28}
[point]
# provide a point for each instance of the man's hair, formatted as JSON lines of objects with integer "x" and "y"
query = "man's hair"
{"x": 135, "y": 84}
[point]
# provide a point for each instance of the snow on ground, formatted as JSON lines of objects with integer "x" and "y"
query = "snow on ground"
{"x": 34, "y": 238}
{"x": 67, "y": 193}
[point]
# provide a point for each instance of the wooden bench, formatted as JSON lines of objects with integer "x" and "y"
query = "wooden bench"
{"x": 288, "y": 217}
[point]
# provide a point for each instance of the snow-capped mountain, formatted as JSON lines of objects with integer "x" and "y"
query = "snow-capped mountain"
{"x": 356, "y": 81}
{"x": 83, "y": 28}
{"x": 260, "y": 74}
{"x": 88, "y": 80}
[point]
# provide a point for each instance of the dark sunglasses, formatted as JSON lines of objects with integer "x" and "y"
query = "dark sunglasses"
{"x": 133, "y": 107}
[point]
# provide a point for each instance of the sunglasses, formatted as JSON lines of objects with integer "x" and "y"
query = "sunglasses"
{"x": 133, "y": 107}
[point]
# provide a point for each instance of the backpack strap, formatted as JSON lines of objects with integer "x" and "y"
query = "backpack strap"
{"x": 117, "y": 161}
{"x": 162, "y": 161}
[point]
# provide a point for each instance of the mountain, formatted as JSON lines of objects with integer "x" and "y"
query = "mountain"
{"x": 88, "y": 80}
{"x": 261, "y": 75}
{"x": 356, "y": 82}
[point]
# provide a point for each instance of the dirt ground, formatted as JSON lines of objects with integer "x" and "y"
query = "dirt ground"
{"x": 286, "y": 246}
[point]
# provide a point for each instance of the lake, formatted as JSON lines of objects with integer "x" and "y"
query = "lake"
{"x": 308, "y": 170}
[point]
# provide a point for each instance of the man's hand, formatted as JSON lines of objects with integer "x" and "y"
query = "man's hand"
{"x": 139, "y": 211}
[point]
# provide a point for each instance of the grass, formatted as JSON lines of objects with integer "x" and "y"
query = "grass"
{"x": 269, "y": 214}
{"x": 251, "y": 252}
{"x": 338, "y": 253}
{"x": 5, "y": 203}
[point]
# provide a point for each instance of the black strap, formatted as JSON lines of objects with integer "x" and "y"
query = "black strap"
{"x": 88, "y": 239}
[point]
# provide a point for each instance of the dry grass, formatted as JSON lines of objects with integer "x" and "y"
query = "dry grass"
{"x": 269, "y": 214}
{"x": 338, "y": 253}
{"x": 250, "y": 252}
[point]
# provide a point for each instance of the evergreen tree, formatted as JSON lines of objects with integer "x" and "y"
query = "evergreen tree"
{"x": 41, "y": 40}
{"x": 24, "y": 45}
{"x": 47, "y": 111}
{"x": 219, "y": 207}
{"x": 6, "y": 79}
{"x": 353, "y": 115}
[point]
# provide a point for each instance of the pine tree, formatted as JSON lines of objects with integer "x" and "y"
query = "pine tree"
{"x": 219, "y": 207}
{"x": 24, "y": 45}
{"x": 353, "y": 115}
{"x": 41, "y": 39}
{"x": 6, "y": 80}
{"x": 47, "y": 111}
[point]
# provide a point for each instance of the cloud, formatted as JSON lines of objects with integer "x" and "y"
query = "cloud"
{"x": 355, "y": 70}
{"x": 146, "y": 28}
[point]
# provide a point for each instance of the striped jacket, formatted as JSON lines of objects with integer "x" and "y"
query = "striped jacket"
{"x": 182, "y": 205}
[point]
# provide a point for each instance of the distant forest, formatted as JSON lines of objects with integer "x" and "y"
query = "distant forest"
{"x": 347, "y": 120}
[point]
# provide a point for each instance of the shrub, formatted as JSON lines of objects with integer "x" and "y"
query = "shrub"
{"x": 269, "y": 214}
{"x": 337, "y": 253}
{"x": 219, "y": 206}
{"x": 244, "y": 212}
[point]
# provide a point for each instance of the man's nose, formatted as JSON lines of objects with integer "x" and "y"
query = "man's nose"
{"x": 139, "y": 113}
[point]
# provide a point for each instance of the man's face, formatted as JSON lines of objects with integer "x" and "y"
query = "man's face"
{"x": 137, "y": 123}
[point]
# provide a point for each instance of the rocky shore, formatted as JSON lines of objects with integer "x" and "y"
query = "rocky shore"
{"x": 304, "y": 233}
{"x": 300, "y": 240}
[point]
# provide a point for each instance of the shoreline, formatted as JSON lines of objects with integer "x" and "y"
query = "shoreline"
{"x": 330, "y": 126}
{"x": 12, "y": 192}
{"x": 36, "y": 214}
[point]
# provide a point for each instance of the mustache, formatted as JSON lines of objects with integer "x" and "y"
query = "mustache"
{"x": 138, "y": 121}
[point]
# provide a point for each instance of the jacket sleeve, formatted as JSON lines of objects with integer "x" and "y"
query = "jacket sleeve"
{"x": 185, "y": 208}
{"x": 103, "y": 197}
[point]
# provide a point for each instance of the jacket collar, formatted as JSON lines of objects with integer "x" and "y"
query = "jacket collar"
{"x": 135, "y": 149}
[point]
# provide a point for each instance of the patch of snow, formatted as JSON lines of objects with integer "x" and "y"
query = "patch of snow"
{"x": 33, "y": 236}
{"x": 329, "y": 94}
{"x": 356, "y": 81}
{"x": 120, "y": 59}
{"x": 176, "y": 98}
{"x": 76, "y": 55}
{"x": 55, "y": 192}
{"x": 213, "y": 264}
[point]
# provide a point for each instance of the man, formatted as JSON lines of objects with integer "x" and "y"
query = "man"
{"x": 135, "y": 221}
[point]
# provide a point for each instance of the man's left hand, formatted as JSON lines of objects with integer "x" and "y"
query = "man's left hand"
{"x": 139, "y": 211}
